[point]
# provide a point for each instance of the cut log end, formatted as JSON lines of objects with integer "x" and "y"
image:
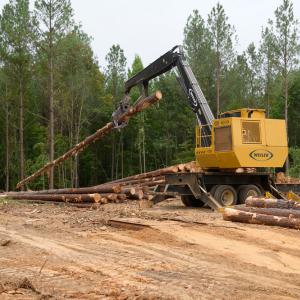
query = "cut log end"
{"x": 158, "y": 95}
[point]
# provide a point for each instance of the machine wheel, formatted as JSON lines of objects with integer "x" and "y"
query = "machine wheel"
{"x": 212, "y": 190}
{"x": 225, "y": 195}
{"x": 245, "y": 191}
{"x": 191, "y": 201}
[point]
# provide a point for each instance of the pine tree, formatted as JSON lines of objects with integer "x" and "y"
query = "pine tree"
{"x": 198, "y": 49}
{"x": 115, "y": 77}
{"x": 268, "y": 62}
{"x": 221, "y": 35}
{"x": 16, "y": 44}
{"x": 287, "y": 48}
{"x": 54, "y": 19}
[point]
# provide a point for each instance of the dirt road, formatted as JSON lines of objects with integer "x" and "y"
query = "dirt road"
{"x": 58, "y": 252}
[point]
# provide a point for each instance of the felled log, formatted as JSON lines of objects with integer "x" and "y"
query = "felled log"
{"x": 235, "y": 215}
{"x": 155, "y": 173}
{"x": 181, "y": 167}
{"x": 280, "y": 212}
{"x": 133, "y": 192}
{"x": 272, "y": 203}
{"x": 152, "y": 183}
{"x": 140, "y": 181}
{"x": 139, "y": 106}
{"x": 121, "y": 197}
{"x": 281, "y": 178}
{"x": 103, "y": 188}
{"x": 192, "y": 167}
{"x": 112, "y": 197}
{"x": 59, "y": 197}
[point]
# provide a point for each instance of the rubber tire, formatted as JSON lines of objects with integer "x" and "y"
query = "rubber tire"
{"x": 219, "y": 191}
{"x": 212, "y": 190}
{"x": 191, "y": 201}
{"x": 244, "y": 190}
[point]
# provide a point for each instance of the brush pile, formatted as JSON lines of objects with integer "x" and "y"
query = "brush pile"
{"x": 273, "y": 212}
{"x": 136, "y": 187}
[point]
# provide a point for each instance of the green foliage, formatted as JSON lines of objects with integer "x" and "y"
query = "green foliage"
{"x": 115, "y": 72}
{"x": 84, "y": 97}
{"x": 198, "y": 48}
{"x": 286, "y": 37}
{"x": 294, "y": 171}
{"x": 54, "y": 17}
{"x": 221, "y": 35}
{"x": 294, "y": 97}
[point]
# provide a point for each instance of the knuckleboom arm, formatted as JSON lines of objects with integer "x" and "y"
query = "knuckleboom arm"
{"x": 196, "y": 99}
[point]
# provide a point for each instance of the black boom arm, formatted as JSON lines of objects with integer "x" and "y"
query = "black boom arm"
{"x": 175, "y": 58}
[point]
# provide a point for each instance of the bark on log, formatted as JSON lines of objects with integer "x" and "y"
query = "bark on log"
{"x": 181, "y": 167}
{"x": 133, "y": 192}
{"x": 84, "y": 190}
{"x": 103, "y": 188}
{"x": 59, "y": 197}
{"x": 280, "y": 212}
{"x": 152, "y": 183}
{"x": 235, "y": 215}
{"x": 112, "y": 197}
{"x": 155, "y": 173}
{"x": 122, "y": 197}
{"x": 140, "y": 181}
{"x": 128, "y": 191}
{"x": 272, "y": 203}
{"x": 139, "y": 106}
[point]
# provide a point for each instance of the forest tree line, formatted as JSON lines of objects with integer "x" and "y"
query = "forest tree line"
{"x": 53, "y": 92}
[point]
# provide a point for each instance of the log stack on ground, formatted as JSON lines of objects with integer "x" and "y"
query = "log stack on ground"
{"x": 273, "y": 212}
{"x": 136, "y": 187}
{"x": 282, "y": 178}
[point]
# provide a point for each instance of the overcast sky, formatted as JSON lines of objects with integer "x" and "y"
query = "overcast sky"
{"x": 151, "y": 27}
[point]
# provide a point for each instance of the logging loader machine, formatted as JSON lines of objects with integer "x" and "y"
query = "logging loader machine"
{"x": 242, "y": 138}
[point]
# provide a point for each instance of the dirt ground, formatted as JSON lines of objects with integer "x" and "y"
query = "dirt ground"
{"x": 52, "y": 251}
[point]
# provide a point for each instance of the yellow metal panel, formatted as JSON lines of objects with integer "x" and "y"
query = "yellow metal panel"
{"x": 272, "y": 150}
{"x": 261, "y": 156}
{"x": 254, "y": 113}
{"x": 275, "y": 132}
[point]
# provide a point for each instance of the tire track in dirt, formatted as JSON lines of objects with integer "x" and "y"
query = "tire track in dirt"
{"x": 167, "y": 261}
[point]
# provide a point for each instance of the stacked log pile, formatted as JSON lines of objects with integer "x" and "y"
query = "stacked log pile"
{"x": 282, "y": 178}
{"x": 136, "y": 187}
{"x": 273, "y": 212}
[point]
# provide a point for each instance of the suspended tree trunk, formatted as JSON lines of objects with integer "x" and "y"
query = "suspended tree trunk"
{"x": 139, "y": 106}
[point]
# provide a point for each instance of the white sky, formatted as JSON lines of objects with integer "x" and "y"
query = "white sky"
{"x": 152, "y": 27}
